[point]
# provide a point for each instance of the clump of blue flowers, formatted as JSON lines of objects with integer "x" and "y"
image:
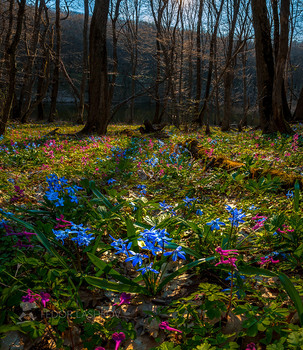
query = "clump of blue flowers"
{"x": 153, "y": 242}
{"x": 236, "y": 216}
{"x": 189, "y": 201}
{"x": 142, "y": 189}
{"x": 58, "y": 188}
{"x": 76, "y": 233}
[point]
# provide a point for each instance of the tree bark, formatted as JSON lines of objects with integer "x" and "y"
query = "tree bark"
{"x": 229, "y": 74}
{"x": 11, "y": 54}
{"x": 211, "y": 63}
{"x": 56, "y": 72}
{"x": 264, "y": 62}
{"x": 84, "y": 63}
{"x": 278, "y": 120}
{"x": 98, "y": 113}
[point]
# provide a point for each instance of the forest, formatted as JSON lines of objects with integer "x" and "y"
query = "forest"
{"x": 151, "y": 174}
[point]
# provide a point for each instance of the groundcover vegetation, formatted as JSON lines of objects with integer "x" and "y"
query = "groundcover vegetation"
{"x": 142, "y": 242}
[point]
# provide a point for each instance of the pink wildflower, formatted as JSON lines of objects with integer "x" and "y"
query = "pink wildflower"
{"x": 251, "y": 346}
{"x": 165, "y": 325}
{"x": 226, "y": 252}
{"x": 45, "y": 297}
{"x": 124, "y": 299}
{"x": 30, "y": 297}
{"x": 230, "y": 261}
{"x": 99, "y": 348}
{"x": 118, "y": 338}
{"x": 268, "y": 259}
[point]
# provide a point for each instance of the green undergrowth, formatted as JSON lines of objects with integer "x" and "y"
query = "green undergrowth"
{"x": 134, "y": 234}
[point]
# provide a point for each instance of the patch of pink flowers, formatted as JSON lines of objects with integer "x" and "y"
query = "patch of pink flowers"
{"x": 268, "y": 259}
{"x": 225, "y": 257}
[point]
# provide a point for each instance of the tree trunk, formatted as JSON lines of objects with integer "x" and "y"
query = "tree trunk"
{"x": 84, "y": 63}
{"x": 229, "y": 74}
{"x": 56, "y": 72}
{"x": 98, "y": 113}
{"x": 12, "y": 70}
{"x": 264, "y": 62}
{"x": 198, "y": 60}
{"x": 26, "y": 92}
{"x": 278, "y": 122}
{"x": 211, "y": 63}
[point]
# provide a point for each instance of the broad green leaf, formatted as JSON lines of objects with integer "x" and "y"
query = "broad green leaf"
{"x": 251, "y": 270}
{"x": 182, "y": 270}
{"x": 106, "y": 268}
{"x": 43, "y": 240}
{"x": 115, "y": 287}
{"x": 98, "y": 194}
{"x": 293, "y": 294}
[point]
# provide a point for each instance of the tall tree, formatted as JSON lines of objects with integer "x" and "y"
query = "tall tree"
{"x": 11, "y": 67}
{"x": 270, "y": 72}
{"x": 56, "y": 72}
{"x": 98, "y": 113}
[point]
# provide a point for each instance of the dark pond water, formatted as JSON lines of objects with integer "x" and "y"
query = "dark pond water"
{"x": 143, "y": 111}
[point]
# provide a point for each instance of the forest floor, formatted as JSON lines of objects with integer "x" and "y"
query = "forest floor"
{"x": 177, "y": 240}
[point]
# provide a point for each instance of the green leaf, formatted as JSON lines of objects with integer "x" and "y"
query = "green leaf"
{"x": 182, "y": 270}
{"x": 293, "y": 294}
{"x": 251, "y": 270}
{"x": 98, "y": 194}
{"x": 115, "y": 287}
{"x": 10, "y": 327}
{"x": 43, "y": 240}
{"x": 297, "y": 196}
{"x": 131, "y": 234}
{"x": 106, "y": 268}
{"x": 168, "y": 346}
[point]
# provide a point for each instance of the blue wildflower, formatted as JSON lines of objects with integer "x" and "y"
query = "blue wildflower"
{"x": 237, "y": 215}
{"x": 177, "y": 253}
{"x": 148, "y": 268}
{"x": 165, "y": 206}
{"x": 199, "y": 212}
{"x": 142, "y": 188}
{"x": 110, "y": 181}
{"x": 189, "y": 201}
{"x": 215, "y": 224}
{"x": 136, "y": 258}
{"x": 83, "y": 238}
{"x": 60, "y": 234}
{"x": 290, "y": 194}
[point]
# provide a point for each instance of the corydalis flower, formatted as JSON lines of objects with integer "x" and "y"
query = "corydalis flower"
{"x": 124, "y": 299}
{"x": 165, "y": 325}
{"x": 251, "y": 346}
{"x": 118, "y": 338}
{"x": 229, "y": 260}
{"x": 268, "y": 259}
{"x": 45, "y": 297}
{"x": 30, "y": 297}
